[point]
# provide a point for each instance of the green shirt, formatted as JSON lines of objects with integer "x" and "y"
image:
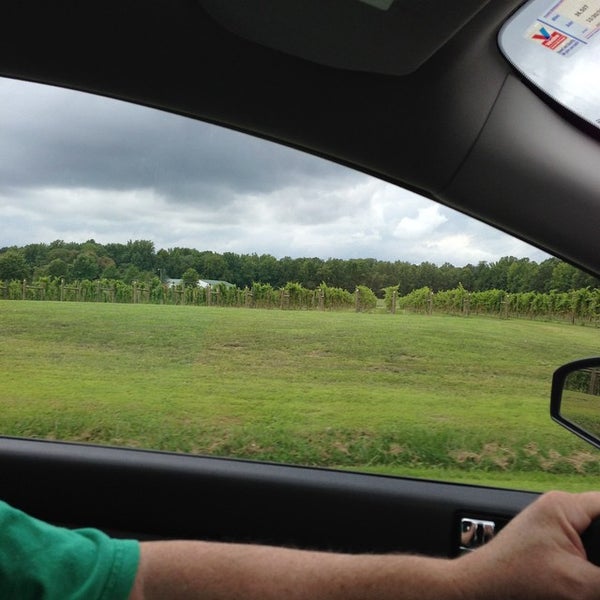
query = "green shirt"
{"x": 41, "y": 562}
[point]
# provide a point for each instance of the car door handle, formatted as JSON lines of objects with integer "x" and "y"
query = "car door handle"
{"x": 474, "y": 533}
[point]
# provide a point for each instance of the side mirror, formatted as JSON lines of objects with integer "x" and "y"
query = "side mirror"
{"x": 575, "y": 398}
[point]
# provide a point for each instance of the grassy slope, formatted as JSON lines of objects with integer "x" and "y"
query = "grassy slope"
{"x": 445, "y": 397}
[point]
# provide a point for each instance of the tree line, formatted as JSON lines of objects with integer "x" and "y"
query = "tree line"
{"x": 139, "y": 261}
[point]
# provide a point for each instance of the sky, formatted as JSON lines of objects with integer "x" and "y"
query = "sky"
{"x": 75, "y": 167}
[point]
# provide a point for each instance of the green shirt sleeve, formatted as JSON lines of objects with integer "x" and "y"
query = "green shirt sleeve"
{"x": 41, "y": 562}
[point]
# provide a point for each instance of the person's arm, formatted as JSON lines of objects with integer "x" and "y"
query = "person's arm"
{"x": 203, "y": 570}
{"x": 538, "y": 555}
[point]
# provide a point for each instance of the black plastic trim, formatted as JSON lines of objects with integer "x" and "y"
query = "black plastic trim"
{"x": 153, "y": 494}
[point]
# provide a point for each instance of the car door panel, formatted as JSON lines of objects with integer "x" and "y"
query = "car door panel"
{"x": 161, "y": 495}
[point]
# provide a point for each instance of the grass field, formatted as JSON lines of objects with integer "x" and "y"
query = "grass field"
{"x": 454, "y": 398}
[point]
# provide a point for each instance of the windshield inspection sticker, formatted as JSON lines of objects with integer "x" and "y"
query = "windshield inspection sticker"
{"x": 556, "y": 45}
{"x": 567, "y": 26}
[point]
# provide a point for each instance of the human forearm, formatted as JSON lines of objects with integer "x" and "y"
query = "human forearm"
{"x": 200, "y": 570}
{"x": 538, "y": 556}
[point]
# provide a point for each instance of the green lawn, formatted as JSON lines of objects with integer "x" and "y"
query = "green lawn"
{"x": 454, "y": 398}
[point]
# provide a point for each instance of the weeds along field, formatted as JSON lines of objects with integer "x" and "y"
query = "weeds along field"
{"x": 452, "y": 398}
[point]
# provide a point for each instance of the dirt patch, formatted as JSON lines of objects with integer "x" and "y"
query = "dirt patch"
{"x": 495, "y": 453}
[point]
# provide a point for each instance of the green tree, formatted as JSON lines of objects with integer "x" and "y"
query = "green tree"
{"x": 213, "y": 266}
{"x": 499, "y": 273}
{"x": 428, "y": 276}
{"x": 562, "y": 277}
{"x": 85, "y": 266}
{"x": 57, "y": 268}
{"x": 190, "y": 278}
{"x": 521, "y": 276}
{"x": 142, "y": 254}
{"x": 543, "y": 278}
{"x": 406, "y": 276}
{"x": 13, "y": 266}
{"x": 482, "y": 277}
{"x": 268, "y": 269}
{"x": 110, "y": 272}
{"x": 448, "y": 277}
{"x": 131, "y": 274}
{"x": 118, "y": 252}
{"x": 35, "y": 254}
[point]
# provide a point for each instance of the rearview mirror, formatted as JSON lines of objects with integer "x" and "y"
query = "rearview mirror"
{"x": 575, "y": 398}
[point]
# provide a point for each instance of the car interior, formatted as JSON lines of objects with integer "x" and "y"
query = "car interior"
{"x": 419, "y": 94}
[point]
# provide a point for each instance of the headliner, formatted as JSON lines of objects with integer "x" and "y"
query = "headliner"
{"x": 460, "y": 126}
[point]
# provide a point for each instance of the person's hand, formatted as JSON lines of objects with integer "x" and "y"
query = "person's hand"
{"x": 539, "y": 554}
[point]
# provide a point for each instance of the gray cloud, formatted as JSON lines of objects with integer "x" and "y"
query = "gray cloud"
{"x": 75, "y": 166}
{"x": 55, "y": 137}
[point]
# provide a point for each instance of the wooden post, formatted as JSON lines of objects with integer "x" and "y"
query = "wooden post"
{"x": 248, "y": 298}
{"x": 24, "y": 289}
{"x": 430, "y": 304}
{"x": 357, "y": 300}
{"x": 506, "y": 303}
{"x": 394, "y": 301}
{"x": 208, "y": 295}
{"x": 321, "y": 299}
{"x": 62, "y": 289}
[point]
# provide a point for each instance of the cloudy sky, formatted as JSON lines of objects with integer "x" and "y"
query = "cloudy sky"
{"x": 75, "y": 167}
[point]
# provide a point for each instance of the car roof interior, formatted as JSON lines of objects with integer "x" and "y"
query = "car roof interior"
{"x": 416, "y": 93}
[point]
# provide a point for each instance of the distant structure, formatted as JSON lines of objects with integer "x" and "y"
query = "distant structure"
{"x": 203, "y": 283}
{"x": 173, "y": 282}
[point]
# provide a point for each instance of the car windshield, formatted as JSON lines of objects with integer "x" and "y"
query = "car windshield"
{"x": 172, "y": 285}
